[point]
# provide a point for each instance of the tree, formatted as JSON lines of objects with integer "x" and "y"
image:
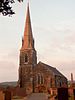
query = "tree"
{"x": 6, "y": 8}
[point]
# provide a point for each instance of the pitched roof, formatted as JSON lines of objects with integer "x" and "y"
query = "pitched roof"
{"x": 53, "y": 69}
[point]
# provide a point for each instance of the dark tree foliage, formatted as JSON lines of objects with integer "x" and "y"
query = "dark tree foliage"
{"x": 5, "y": 7}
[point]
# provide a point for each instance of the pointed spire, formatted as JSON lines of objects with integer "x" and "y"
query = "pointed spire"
{"x": 28, "y": 41}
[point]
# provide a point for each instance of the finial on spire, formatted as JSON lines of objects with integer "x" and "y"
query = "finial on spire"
{"x": 28, "y": 2}
{"x": 28, "y": 5}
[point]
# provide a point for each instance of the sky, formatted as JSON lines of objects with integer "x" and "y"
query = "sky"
{"x": 53, "y": 25}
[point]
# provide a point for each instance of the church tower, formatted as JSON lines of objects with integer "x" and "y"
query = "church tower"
{"x": 28, "y": 58}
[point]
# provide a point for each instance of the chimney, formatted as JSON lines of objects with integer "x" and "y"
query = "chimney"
{"x": 71, "y": 79}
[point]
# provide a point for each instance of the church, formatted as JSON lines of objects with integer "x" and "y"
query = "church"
{"x": 33, "y": 75}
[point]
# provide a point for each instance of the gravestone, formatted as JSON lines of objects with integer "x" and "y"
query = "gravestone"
{"x": 62, "y": 94}
{"x": 7, "y": 95}
{"x": 74, "y": 93}
{"x": 1, "y": 95}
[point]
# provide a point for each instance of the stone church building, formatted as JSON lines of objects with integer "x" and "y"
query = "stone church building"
{"x": 33, "y": 75}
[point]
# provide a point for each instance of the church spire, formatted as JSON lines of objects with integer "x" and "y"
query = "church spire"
{"x": 28, "y": 41}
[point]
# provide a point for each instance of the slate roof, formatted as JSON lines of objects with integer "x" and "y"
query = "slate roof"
{"x": 53, "y": 69}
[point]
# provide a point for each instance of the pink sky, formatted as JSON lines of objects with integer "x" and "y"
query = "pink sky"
{"x": 53, "y": 25}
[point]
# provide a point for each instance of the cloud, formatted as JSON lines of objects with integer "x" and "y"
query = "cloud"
{"x": 9, "y": 65}
{"x": 8, "y": 71}
{"x": 67, "y": 67}
{"x": 59, "y": 50}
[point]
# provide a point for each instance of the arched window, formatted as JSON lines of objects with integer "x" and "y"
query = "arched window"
{"x": 38, "y": 79}
{"x": 42, "y": 79}
{"x": 26, "y": 58}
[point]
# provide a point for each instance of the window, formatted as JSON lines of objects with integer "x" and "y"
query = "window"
{"x": 42, "y": 80}
{"x": 26, "y": 58}
{"x": 38, "y": 79}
